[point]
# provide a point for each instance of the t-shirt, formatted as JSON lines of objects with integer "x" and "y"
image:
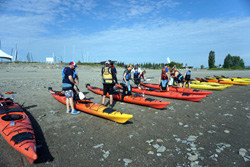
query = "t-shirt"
{"x": 65, "y": 74}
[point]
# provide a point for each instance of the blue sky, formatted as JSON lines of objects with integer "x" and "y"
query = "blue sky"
{"x": 130, "y": 31}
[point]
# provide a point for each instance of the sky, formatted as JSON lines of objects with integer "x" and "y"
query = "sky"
{"x": 129, "y": 31}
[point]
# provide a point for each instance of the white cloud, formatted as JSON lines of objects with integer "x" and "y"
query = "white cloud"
{"x": 150, "y": 38}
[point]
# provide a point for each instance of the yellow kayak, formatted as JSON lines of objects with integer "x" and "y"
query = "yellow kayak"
{"x": 227, "y": 81}
{"x": 208, "y": 87}
{"x": 210, "y": 83}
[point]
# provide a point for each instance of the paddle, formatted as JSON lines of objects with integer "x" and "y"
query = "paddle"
{"x": 81, "y": 95}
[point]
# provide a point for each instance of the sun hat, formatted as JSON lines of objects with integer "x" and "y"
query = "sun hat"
{"x": 107, "y": 62}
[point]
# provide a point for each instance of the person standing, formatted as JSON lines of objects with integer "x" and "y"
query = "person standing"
{"x": 109, "y": 80}
{"x": 164, "y": 78}
{"x": 112, "y": 66}
{"x": 136, "y": 75}
{"x": 178, "y": 77}
{"x": 125, "y": 81}
{"x": 187, "y": 78}
{"x": 68, "y": 84}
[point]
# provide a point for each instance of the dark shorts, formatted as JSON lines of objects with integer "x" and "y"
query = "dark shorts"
{"x": 187, "y": 78}
{"x": 137, "y": 80}
{"x": 108, "y": 88}
{"x": 180, "y": 79}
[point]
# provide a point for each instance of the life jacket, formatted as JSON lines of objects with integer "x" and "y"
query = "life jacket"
{"x": 136, "y": 74}
{"x": 188, "y": 73}
{"x": 163, "y": 75}
{"x": 128, "y": 76}
{"x": 107, "y": 75}
{"x": 63, "y": 75}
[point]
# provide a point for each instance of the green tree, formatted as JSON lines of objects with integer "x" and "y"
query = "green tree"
{"x": 234, "y": 62}
{"x": 202, "y": 66}
{"x": 178, "y": 65}
{"x": 228, "y": 61}
{"x": 242, "y": 64}
{"x": 211, "y": 59}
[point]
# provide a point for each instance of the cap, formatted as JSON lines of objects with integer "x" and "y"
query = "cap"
{"x": 107, "y": 62}
{"x": 73, "y": 63}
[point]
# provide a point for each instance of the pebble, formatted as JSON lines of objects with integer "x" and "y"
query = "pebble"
{"x": 127, "y": 161}
{"x": 228, "y": 115}
{"x": 211, "y": 131}
{"x": 242, "y": 152}
{"x": 151, "y": 152}
{"x": 149, "y": 141}
{"x": 158, "y": 154}
{"x": 156, "y": 146}
{"x": 180, "y": 123}
{"x": 193, "y": 158}
{"x": 177, "y": 139}
{"x": 161, "y": 149}
{"x": 159, "y": 141}
{"x": 191, "y": 138}
{"x": 226, "y": 131}
{"x": 106, "y": 154}
{"x": 218, "y": 150}
{"x": 99, "y": 145}
{"x": 186, "y": 126}
{"x": 246, "y": 158}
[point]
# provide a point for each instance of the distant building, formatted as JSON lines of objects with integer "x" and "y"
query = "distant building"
{"x": 49, "y": 60}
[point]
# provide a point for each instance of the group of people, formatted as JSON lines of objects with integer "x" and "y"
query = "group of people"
{"x": 171, "y": 76}
{"x": 109, "y": 75}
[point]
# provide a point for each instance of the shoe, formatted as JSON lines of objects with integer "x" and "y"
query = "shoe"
{"x": 69, "y": 111}
{"x": 75, "y": 112}
{"x": 122, "y": 103}
{"x": 111, "y": 106}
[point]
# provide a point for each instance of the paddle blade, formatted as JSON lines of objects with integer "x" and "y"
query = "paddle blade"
{"x": 81, "y": 95}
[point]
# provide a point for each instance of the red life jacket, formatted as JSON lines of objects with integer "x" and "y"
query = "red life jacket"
{"x": 163, "y": 75}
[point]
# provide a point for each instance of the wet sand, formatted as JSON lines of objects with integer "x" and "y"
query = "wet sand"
{"x": 208, "y": 133}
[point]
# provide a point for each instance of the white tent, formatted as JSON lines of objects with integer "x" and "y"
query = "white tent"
{"x": 5, "y": 55}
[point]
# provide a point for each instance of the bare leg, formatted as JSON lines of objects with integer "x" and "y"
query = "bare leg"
{"x": 189, "y": 84}
{"x": 103, "y": 99}
{"x": 67, "y": 104}
{"x": 71, "y": 102}
{"x": 111, "y": 100}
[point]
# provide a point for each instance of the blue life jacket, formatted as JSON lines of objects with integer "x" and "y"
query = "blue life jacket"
{"x": 128, "y": 76}
{"x": 63, "y": 75}
{"x": 136, "y": 74}
{"x": 188, "y": 73}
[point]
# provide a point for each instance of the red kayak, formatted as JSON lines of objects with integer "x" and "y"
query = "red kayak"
{"x": 16, "y": 128}
{"x": 169, "y": 94}
{"x": 177, "y": 89}
{"x": 135, "y": 99}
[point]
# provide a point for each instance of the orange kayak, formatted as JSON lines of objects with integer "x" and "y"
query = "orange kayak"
{"x": 94, "y": 108}
{"x": 135, "y": 99}
{"x": 178, "y": 89}
{"x": 169, "y": 94}
{"x": 16, "y": 128}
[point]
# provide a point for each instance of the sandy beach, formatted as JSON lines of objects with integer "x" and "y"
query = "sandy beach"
{"x": 206, "y": 133}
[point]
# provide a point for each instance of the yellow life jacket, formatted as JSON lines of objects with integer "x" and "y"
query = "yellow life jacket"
{"x": 107, "y": 75}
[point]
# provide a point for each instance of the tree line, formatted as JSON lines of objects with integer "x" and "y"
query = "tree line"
{"x": 152, "y": 65}
{"x": 230, "y": 62}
